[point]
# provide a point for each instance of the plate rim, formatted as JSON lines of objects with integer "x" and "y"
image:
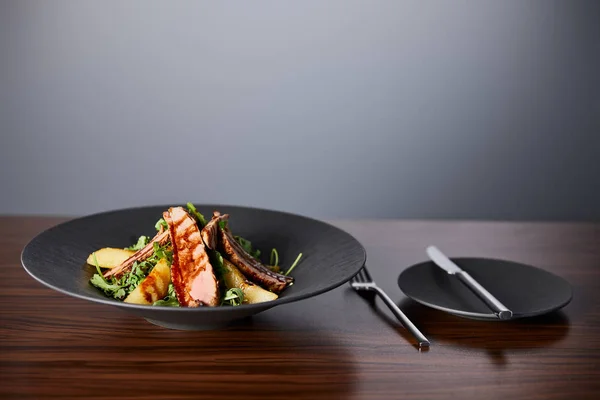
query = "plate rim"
{"x": 258, "y": 306}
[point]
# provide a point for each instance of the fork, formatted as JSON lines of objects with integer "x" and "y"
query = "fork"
{"x": 363, "y": 282}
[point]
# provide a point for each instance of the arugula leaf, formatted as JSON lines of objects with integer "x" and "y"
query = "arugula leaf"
{"x": 161, "y": 252}
{"x": 233, "y": 297}
{"x": 170, "y": 300}
{"x": 217, "y": 262}
{"x": 112, "y": 288}
{"x": 141, "y": 243}
{"x": 196, "y": 214}
{"x": 139, "y": 271}
{"x": 99, "y": 281}
{"x": 161, "y": 222}
{"x": 247, "y": 246}
{"x": 119, "y": 288}
{"x": 98, "y": 267}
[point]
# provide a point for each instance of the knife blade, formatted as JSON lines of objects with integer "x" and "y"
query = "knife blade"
{"x": 442, "y": 261}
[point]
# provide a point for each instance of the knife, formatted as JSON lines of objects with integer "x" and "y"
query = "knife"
{"x": 451, "y": 268}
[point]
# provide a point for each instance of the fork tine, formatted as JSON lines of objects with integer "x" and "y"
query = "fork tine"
{"x": 366, "y": 274}
{"x": 363, "y": 277}
{"x": 360, "y": 277}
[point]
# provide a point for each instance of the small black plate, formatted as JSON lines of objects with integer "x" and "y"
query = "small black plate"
{"x": 527, "y": 291}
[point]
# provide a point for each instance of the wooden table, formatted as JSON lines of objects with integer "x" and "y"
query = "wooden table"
{"x": 334, "y": 346}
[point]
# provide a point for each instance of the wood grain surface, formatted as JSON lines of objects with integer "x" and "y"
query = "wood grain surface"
{"x": 335, "y": 346}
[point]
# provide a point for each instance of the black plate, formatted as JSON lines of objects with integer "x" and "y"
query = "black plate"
{"x": 57, "y": 258}
{"x": 527, "y": 291}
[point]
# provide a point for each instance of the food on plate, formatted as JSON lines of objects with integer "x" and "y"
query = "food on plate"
{"x": 109, "y": 257}
{"x": 190, "y": 262}
{"x": 193, "y": 277}
{"x": 141, "y": 255}
{"x": 251, "y": 292}
{"x": 248, "y": 265}
{"x": 154, "y": 287}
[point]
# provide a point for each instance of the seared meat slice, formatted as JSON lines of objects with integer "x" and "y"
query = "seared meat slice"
{"x": 191, "y": 273}
{"x": 210, "y": 233}
{"x": 161, "y": 238}
{"x": 248, "y": 265}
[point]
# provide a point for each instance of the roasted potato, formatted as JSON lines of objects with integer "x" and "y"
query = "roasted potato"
{"x": 154, "y": 287}
{"x": 252, "y": 293}
{"x": 109, "y": 257}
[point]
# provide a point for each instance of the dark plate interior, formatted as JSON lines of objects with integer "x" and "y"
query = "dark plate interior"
{"x": 527, "y": 291}
{"x": 56, "y": 257}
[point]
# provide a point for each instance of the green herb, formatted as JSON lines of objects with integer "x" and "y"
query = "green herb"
{"x": 98, "y": 267}
{"x": 112, "y": 288}
{"x": 141, "y": 243}
{"x": 170, "y": 300}
{"x": 217, "y": 262}
{"x": 162, "y": 252}
{"x": 247, "y": 246}
{"x": 101, "y": 283}
{"x": 233, "y": 297}
{"x": 134, "y": 269}
{"x": 119, "y": 288}
{"x": 222, "y": 224}
{"x": 274, "y": 259}
{"x": 138, "y": 273}
{"x": 199, "y": 217}
{"x": 161, "y": 222}
{"x": 294, "y": 264}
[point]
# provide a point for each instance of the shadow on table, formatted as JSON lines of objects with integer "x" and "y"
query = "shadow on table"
{"x": 495, "y": 338}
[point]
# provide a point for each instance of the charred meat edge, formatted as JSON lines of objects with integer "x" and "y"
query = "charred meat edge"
{"x": 210, "y": 233}
{"x": 146, "y": 252}
{"x": 253, "y": 269}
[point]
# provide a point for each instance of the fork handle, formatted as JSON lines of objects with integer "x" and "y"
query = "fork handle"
{"x": 423, "y": 342}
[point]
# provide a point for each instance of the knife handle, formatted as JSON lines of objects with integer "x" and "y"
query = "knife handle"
{"x": 495, "y": 305}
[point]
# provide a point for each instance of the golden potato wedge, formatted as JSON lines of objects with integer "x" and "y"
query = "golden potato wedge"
{"x": 233, "y": 278}
{"x": 255, "y": 294}
{"x": 109, "y": 257}
{"x": 154, "y": 287}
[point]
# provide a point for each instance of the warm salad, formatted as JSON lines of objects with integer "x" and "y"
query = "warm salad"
{"x": 190, "y": 262}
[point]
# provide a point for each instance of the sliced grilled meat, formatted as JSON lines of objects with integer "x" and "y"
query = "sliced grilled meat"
{"x": 161, "y": 238}
{"x": 210, "y": 233}
{"x": 248, "y": 265}
{"x": 191, "y": 272}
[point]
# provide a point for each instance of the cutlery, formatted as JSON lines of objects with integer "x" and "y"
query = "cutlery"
{"x": 442, "y": 261}
{"x": 363, "y": 282}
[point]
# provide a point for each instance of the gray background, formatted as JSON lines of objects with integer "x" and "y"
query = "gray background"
{"x": 437, "y": 109}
